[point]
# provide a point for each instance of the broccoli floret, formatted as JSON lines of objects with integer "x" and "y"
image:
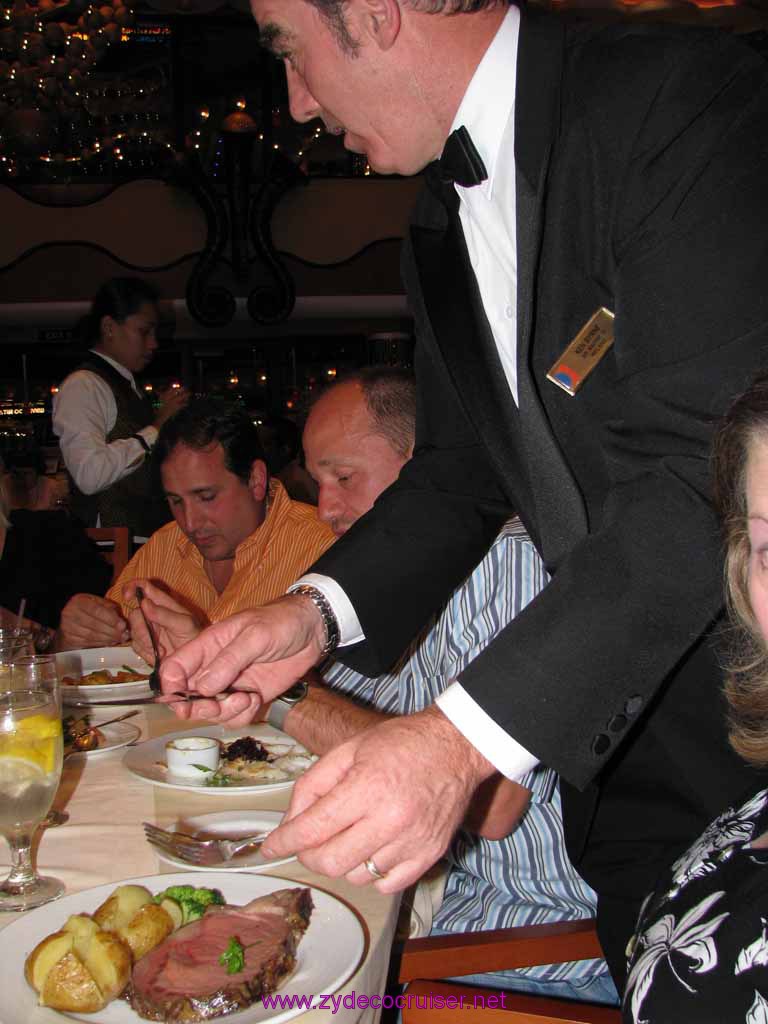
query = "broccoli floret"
{"x": 192, "y": 900}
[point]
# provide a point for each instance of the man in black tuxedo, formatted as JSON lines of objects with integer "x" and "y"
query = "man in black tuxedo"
{"x": 622, "y": 168}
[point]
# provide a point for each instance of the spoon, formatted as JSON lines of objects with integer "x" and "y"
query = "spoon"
{"x": 154, "y": 679}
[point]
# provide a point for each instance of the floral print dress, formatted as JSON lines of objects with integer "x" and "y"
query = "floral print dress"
{"x": 700, "y": 952}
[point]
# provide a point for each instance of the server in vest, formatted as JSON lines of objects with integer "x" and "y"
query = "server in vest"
{"x": 106, "y": 425}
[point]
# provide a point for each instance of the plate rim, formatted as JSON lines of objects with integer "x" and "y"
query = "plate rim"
{"x": 131, "y": 726}
{"x": 106, "y": 690}
{"x": 45, "y": 1015}
{"x": 274, "y": 817}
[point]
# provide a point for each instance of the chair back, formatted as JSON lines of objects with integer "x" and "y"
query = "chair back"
{"x": 429, "y": 1001}
{"x": 113, "y": 543}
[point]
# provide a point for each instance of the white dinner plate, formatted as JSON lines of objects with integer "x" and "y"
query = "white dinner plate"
{"x": 115, "y": 736}
{"x": 228, "y": 825}
{"x": 327, "y": 956}
{"x": 147, "y": 760}
{"x": 80, "y": 663}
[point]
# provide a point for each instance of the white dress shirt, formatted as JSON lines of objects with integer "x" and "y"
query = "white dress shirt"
{"x": 84, "y": 412}
{"x": 487, "y": 214}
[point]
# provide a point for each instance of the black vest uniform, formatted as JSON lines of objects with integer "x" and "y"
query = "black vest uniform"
{"x": 135, "y": 500}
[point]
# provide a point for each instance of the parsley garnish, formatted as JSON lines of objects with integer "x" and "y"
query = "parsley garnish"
{"x": 233, "y": 957}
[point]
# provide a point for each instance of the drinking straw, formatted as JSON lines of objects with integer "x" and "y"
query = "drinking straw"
{"x": 20, "y": 616}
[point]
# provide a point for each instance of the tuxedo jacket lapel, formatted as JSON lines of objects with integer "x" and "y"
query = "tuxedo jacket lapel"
{"x": 454, "y": 309}
{"x": 559, "y": 507}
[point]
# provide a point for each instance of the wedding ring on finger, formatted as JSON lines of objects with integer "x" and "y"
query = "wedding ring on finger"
{"x": 373, "y": 871}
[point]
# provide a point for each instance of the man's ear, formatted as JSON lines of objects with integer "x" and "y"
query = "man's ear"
{"x": 381, "y": 21}
{"x": 257, "y": 481}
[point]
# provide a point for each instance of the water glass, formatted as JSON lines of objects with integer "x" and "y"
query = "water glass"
{"x": 33, "y": 672}
{"x": 31, "y": 757}
{"x": 15, "y": 640}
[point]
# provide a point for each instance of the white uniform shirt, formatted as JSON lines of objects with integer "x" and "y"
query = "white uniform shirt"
{"x": 84, "y": 412}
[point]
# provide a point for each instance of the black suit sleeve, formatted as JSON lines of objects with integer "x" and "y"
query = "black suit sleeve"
{"x": 686, "y": 257}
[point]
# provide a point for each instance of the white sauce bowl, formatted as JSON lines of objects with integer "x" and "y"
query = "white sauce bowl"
{"x": 182, "y": 754}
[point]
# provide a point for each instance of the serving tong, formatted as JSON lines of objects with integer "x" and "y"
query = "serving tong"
{"x": 199, "y": 851}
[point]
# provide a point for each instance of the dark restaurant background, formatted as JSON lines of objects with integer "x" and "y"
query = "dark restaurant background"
{"x": 153, "y": 139}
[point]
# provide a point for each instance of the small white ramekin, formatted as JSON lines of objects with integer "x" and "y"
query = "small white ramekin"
{"x": 184, "y": 753}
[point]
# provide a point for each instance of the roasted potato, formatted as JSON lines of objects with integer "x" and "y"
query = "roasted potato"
{"x": 108, "y": 959}
{"x": 83, "y": 928}
{"x": 44, "y": 956}
{"x": 69, "y": 985}
{"x": 79, "y": 969}
{"x": 120, "y": 907}
{"x": 88, "y": 963}
{"x": 146, "y": 929}
{"x": 172, "y": 908}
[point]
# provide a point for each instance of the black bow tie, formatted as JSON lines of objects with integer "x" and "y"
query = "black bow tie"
{"x": 460, "y": 163}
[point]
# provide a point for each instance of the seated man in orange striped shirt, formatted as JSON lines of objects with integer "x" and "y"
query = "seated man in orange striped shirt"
{"x": 237, "y": 539}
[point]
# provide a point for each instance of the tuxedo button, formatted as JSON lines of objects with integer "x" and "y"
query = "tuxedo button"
{"x": 600, "y": 744}
{"x": 618, "y": 723}
{"x": 633, "y": 705}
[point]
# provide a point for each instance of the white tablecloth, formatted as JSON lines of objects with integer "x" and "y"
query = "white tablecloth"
{"x": 103, "y": 842}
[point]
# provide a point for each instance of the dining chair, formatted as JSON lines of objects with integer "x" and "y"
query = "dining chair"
{"x": 424, "y": 961}
{"x": 114, "y": 545}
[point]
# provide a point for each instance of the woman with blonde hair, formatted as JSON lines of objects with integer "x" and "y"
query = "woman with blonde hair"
{"x": 700, "y": 952}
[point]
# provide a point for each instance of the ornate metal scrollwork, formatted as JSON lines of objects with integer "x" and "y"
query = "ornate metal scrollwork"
{"x": 243, "y": 222}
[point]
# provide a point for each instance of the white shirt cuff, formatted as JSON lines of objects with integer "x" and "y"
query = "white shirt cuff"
{"x": 350, "y": 630}
{"x": 150, "y": 435}
{"x": 504, "y": 752}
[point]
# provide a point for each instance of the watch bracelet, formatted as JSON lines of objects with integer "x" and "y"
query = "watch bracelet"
{"x": 323, "y": 605}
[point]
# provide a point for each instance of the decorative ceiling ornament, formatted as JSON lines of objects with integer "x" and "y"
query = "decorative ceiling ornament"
{"x": 242, "y": 224}
{"x": 47, "y": 51}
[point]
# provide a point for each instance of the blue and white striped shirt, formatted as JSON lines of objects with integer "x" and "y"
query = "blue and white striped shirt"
{"x": 525, "y": 878}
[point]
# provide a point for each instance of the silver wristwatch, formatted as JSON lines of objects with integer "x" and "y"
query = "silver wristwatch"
{"x": 323, "y": 605}
{"x": 280, "y": 707}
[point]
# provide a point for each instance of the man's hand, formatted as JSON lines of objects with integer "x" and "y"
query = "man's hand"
{"x": 395, "y": 793}
{"x": 173, "y": 624}
{"x": 261, "y": 653}
{"x": 91, "y": 621}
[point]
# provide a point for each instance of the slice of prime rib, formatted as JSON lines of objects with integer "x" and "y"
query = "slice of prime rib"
{"x": 182, "y": 978}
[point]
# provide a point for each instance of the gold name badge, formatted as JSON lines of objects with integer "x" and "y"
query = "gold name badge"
{"x": 584, "y": 352}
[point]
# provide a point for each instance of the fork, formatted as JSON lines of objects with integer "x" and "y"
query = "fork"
{"x": 199, "y": 851}
{"x": 154, "y": 678}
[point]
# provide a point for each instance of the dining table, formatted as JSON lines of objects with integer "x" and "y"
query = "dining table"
{"x": 103, "y": 842}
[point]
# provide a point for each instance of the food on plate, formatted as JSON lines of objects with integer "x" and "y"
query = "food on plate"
{"x": 107, "y": 677}
{"x": 246, "y": 761}
{"x": 87, "y": 963}
{"x": 199, "y": 972}
{"x": 190, "y": 899}
{"x": 189, "y": 755}
{"x": 79, "y": 969}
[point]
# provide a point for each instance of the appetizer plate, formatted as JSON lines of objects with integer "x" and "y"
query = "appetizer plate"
{"x": 328, "y": 955}
{"x": 147, "y": 761}
{"x": 80, "y": 663}
{"x": 228, "y": 825}
{"x": 115, "y": 736}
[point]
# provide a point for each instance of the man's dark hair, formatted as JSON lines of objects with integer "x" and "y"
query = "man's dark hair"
{"x": 332, "y": 12}
{"x": 390, "y": 397}
{"x": 204, "y": 423}
{"x": 119, "y": 298}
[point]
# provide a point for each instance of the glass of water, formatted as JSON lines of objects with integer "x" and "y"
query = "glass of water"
{"x": 30, "y": 769}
